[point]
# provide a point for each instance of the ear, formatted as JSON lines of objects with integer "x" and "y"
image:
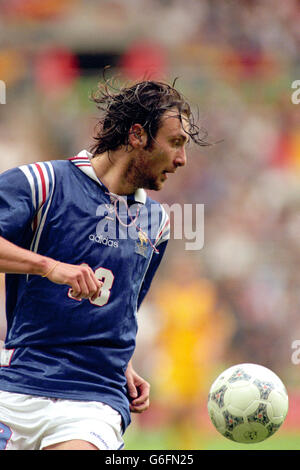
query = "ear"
{"x": 137, "y": 136}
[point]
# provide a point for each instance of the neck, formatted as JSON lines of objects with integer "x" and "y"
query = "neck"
{"x": 112, "y": 170}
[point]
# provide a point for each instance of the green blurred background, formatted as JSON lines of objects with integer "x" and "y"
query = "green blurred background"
{"x": 237, "y": 299}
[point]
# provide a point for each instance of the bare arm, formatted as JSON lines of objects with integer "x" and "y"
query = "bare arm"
{"x": 81, "y": 279}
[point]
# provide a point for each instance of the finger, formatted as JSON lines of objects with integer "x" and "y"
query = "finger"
{"x": 96, "y": 286}
{"x": 85, "y": 284}
{"x": 94, "y": 297}
{"x": 82, "y": 279}
{"x": 139, "y": 400}
{"x": 84, "y": 289}
{"x": 132, "y": 390}
{"x": 89, "y": 286}
{"x": 93, "y": 284}
{"x": 139, "y": 409}
{"x": 75, "y": 290}
{"x": 143, "y": 394}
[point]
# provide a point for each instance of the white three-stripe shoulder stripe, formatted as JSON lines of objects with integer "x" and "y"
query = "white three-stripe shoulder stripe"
{"x": 41, "y": 179}
{"x": 164, "y": 228}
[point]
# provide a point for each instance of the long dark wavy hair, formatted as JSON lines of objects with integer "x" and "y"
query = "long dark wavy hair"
{"x": 141, "y": 103}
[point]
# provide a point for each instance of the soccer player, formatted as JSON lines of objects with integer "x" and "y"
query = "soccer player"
{"x": 80, "y": 242}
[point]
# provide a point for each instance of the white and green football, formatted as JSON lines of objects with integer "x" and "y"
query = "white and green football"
{"x": 247, "y": 403}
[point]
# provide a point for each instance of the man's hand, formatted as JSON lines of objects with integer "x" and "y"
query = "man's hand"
{"x": 81, "y": 279}
{"x": 138, "y": 390}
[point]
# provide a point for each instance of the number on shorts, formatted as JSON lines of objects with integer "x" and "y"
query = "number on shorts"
{"x": 5, "y": 435}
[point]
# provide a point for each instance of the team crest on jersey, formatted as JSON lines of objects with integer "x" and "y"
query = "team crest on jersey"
{"x": 141, "y": 245}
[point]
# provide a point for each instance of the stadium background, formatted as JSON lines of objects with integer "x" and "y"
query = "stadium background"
{"x": 237, "y": 299}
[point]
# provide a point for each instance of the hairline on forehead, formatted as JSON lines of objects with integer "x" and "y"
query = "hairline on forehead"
{"x": 174, "y": 113}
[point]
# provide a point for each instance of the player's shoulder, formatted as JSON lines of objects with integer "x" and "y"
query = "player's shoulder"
{"x": 61, "y": 166}
{"x": 157, "y": 208}
{"x": 43, "y": 168}
{"x": 159, "y": 219}
{"x": 51, "y": 169}
{"x": 149, "y": 201}
{"x": 37, "y": 179}
{"x": 33, "y": 174}
{"x": 44, "y": 173}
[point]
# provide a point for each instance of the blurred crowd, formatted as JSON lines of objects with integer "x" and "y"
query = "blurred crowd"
{"x": 237, "y": 299}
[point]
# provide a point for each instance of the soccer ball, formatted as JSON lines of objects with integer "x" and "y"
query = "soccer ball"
{"x": 247, "y": 403}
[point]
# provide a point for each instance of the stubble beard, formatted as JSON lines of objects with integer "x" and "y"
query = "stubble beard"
{"x": 139, "y": 172}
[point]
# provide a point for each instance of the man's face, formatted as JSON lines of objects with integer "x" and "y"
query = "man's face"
{"x": 150, "y": 167}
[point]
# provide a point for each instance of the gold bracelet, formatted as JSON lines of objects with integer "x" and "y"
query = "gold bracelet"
{"x": 50, "y": 270}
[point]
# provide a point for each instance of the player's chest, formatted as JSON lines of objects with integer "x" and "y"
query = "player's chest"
{"x": 86, "y": 228}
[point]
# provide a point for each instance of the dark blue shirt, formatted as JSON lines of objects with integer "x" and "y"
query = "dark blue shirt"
{"x": 58, "y": 346}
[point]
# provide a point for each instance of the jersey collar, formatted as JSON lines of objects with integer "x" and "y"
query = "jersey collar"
{"x": 82, "y": 161}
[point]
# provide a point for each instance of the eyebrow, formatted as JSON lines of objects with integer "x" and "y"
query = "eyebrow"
{"x": 183, "y": 137}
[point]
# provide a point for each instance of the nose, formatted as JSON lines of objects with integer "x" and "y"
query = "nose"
{"x": 180, "y": 159}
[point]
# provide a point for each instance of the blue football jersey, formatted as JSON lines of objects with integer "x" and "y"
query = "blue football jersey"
{"x": 58, "y": 346}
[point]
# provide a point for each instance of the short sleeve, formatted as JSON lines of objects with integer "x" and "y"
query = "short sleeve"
{"x": 23, "y": 193}
{"x": 16, "y": 204}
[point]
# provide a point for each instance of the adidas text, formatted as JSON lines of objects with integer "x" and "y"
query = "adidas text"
{"x": 104, "y": 241}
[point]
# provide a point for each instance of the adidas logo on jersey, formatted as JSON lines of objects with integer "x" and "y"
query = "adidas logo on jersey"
{"x": 104, "y": 241}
